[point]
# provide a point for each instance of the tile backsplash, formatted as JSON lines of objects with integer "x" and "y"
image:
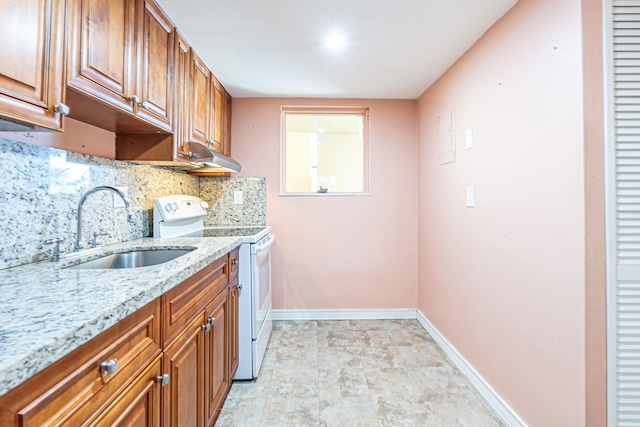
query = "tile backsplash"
{"x": 40, "y": 189}
{"x": 219, "y": 193}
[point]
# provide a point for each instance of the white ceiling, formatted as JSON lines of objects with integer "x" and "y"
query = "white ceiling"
{"x": 395, "y": 49}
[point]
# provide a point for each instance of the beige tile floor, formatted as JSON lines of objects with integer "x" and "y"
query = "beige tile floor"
{"x": 347, "y": 373}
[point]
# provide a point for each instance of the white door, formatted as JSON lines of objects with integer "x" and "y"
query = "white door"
{"x": 622, "y": 154}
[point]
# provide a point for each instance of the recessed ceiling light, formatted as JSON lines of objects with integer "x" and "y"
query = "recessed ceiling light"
{"x": 335, "y": 41}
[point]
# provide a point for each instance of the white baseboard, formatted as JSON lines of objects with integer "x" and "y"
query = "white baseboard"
{"x": 345, "y": 314}
{"x": 499, "y": 406}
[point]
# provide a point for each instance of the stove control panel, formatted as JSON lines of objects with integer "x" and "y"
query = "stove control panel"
{"x": 175, "y": 208}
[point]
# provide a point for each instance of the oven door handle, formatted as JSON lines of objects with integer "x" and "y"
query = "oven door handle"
{"x": 265, "y": 246}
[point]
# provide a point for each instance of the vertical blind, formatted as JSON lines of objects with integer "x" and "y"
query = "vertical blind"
{"x": 622, "y": 50}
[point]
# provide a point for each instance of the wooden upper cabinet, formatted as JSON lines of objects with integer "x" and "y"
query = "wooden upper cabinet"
{"x": 217, "y": 122}
{"x": 181, "y": 76}
{"x": 200, "y": 100}
{"x": 226, "y": 139}
{"x": 101, "y": 45}
{"x": 155, "y": 57}
{"x": 31, "y": 69}
{"x": 119, "y": 65}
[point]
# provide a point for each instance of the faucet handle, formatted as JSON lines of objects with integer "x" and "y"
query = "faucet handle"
{"x": 58, "y": 249}
{"x": 96, "y": 235}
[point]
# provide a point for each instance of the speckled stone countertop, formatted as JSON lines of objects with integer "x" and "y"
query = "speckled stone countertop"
{"x": 47, "y": 311}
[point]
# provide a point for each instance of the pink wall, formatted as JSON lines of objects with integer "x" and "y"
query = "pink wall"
{"x": 339, "y": 252}
{"x": 504, "y": 281}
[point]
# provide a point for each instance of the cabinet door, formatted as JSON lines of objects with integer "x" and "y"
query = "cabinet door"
{"x": 155, "y": 56}
{"x": 31, "y": 68}
{"x": 217, "y": 116}
{"x": 217, "y": 356}
{"x": 226, "y": 138}
{"x": 181, "y": 72}
{"x": 234, "y": 294}
{"x": 139, "y": 405}
{"x": 102, "y": 46}
{"x": 184, "y": 362}
{"x": 199, "y": 116}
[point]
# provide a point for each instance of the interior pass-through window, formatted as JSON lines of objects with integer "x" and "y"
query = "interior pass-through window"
{"x": 325, "y": 151}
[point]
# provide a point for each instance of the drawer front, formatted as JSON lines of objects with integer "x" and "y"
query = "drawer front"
{"x": 234, "y": 263}
{"x": 139, "y": 404}
{"x": 183, "y": 302}
{"x": 76, "y": 388}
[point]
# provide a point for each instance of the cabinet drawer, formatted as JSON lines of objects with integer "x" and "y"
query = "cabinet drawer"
{"x": 75, "y": 389}
{"x": 233, "y": 263}
{"x": 183, "y": 302}
{"x": 139, "y": 404}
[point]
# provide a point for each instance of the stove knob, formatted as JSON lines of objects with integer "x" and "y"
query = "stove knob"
{"x": 168, "y": 207}
{"x": 175, "y": 206}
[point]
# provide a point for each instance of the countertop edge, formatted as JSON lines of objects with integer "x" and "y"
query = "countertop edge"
{"x": 23, "y": 368}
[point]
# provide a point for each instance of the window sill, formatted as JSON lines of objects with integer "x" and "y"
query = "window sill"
{"x": 321, "y": 194}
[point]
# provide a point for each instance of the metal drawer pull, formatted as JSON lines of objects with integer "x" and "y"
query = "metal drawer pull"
{"x": 163, "y": 380}
{"x": 110, "y": 367}
{"x": 212, "y": 320}
{"x": 206, "y": 327}
{"x": 234, "y": 262}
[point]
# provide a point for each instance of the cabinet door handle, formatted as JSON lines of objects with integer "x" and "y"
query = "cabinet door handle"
{"x": 206, "y": 327}
{"x": 163, "y": 380}
{"x": 134, "y": 99}
{"x": 110, "y": 366}
{"x": 61, "y": 108}
{"x": 234, "y": 262}
{"x": 212, "y": 320}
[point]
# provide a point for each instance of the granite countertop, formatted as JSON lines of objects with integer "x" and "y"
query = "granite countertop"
{"x": 47, "y": 311}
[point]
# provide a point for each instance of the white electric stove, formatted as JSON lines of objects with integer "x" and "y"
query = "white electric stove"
{"x": 183, "y": 216}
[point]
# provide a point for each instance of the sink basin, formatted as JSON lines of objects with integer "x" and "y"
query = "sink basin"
{"x": 134, "y": 259}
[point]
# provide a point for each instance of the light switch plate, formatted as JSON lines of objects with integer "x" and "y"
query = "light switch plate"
{"x": 468, "y": 139}
{"x": 117, "y": 200}
{"x": 237, "y": 197}
{"x": 470, "y": 197}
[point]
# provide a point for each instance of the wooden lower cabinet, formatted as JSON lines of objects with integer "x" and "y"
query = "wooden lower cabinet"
{"x": 139, "y": 405}
{"x": 217, "y": 381}
{"x": 234, "y": 294}
{"x": 75, "y": 389}
{"x": 173, "y": 367}
{"x": 197, "y": 362}
{"x": 184, "y": 359}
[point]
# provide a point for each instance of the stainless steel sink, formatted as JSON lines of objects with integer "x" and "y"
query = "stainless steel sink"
{"x": 134, "y": 259}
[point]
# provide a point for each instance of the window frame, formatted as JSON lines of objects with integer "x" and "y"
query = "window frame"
{"x": 324, "y": 110}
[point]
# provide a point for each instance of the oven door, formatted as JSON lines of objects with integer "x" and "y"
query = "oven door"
{"x": 261, "y": 295}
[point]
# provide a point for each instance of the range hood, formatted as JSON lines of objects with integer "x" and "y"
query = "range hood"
{"x": 212, "y": 160}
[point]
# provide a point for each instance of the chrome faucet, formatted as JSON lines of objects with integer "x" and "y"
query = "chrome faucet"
{"x": 130, "y": 217}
